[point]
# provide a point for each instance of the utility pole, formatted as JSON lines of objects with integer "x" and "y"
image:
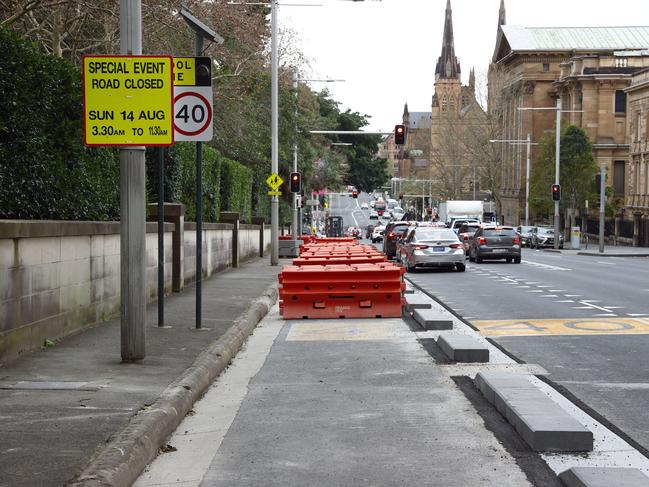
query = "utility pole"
{"x": 274, "y": 201}
{"x": 557, "y": 162}
{"x": 132, "y": 185}
{"x": 602, "y": 205}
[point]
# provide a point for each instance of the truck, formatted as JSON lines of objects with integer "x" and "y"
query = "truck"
{"x": 454, "y": 209}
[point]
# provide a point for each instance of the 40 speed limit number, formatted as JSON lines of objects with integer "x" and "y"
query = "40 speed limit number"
{"x": 193, "y": 113}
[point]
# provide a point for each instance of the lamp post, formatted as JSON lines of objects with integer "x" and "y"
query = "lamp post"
{"x": 295, "y": 224}
{"x": 557, "y": 162}
{"x": 529, "y": 144}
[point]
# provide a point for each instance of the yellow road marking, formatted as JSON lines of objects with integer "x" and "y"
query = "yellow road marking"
{"x": 568, "y": 326}
{"x": 345, "y": 331}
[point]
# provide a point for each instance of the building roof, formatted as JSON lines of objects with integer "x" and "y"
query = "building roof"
{"x": 420, "y": 120}
{"x": 522, "y": 38}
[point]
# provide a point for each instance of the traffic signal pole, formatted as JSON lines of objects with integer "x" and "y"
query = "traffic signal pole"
{"x": 557, "y": 225}
{"x": 294, "y": 226}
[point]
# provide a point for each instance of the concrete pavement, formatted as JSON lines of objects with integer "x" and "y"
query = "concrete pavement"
{"x": 609, "y": 251}
{"x": 60, "y": 406}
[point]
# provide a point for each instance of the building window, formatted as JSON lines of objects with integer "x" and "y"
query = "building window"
{"x": 638, "y": 121}
{"x": 621, "y": 62}
{"x": 620, "y": 101}
{"x": 546, "y": 67}
{"x": 618, "y": 177}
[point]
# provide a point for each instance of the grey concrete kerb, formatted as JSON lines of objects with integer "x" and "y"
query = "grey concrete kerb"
{"x": 125, "y": 457}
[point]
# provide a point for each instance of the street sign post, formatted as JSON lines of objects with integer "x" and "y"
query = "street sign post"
{"x": 274, "y": 181}
{"x": 193, "y": 113}
{"x": 127, "y": 100}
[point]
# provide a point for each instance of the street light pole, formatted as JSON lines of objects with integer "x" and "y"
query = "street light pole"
{"x": 294, "y": 225}
{"x": 527, "y": 181}
{"x": 274, "y": 151}
{"x": 557, "y": 163}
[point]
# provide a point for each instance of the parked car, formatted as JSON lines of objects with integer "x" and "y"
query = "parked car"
{"x": 377, "y": 233}
{"x": 525, "y": 232}
{"x": 433, "y": 247}
{"x": 492, "y": 242}
{"x": 543, "y": 237}
{"x": 368, "y": 231}
{"x": 393, "y": 231}
{"x": 465, "y": 234}
{"x": 364, "y": 206}
{"x": 374, "y": 215}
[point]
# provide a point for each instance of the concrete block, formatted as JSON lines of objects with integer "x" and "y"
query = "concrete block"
{"x": 540, "y": 421}
{"x": 432, "y": 319}
{"x": 463, "y": 348}
{"x": 409, "y": 288}
{"x": 603, "y": 477}
{"x": 30, "y": 251}
{"x": 7, "y": 253}
{"x": 97, "y": 245}
{"x": 417, "y": 301}
{"x": 73, "y": 248}
{"x": 50, "y": 250}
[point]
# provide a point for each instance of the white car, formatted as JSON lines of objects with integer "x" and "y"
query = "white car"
{"x": 398, "y": 213}
{"x": 364, "y": 206}
{"x": 374, "y": 215}
{"x": 377, "y": 233}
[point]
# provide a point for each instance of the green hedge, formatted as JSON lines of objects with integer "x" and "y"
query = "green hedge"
{"x": 237, "y": 189}
{"x": 45, "y": 171}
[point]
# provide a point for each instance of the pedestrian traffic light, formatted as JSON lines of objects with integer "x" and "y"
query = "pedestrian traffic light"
{"x": 296, "y": 182}
{"x": 399, "y": 134}
{"x": 556, "y": 192}
{"x": 400, "y": 196}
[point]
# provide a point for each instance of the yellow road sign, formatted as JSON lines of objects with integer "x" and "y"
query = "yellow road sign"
{"x": 128, "y": 100}
{"x": 618, "y": 325}
{"x": 274, "y": 181}
{"x": 274, "y": 193}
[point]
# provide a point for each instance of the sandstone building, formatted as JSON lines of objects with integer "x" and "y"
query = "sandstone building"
{"x": 588, "y": 68}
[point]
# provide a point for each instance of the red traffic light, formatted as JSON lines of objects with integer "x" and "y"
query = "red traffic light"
{"x": 296, "y": 182}
{"x": 399, "y": 134}
{"x": 556, "y": 192}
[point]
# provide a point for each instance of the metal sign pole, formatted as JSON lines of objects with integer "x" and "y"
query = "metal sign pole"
{"x": 161, "y": 237}
{"x": 602, "y": 205}
{"x": 199, "y": 213}
{"x": 557, "y": 219}
{"x": 133, "y": 221}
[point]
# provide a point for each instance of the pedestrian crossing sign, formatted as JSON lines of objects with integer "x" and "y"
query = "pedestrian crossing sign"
{"x": 274, "y": 181}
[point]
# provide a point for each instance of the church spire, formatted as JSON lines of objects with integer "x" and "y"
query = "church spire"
{"x": 448, "y": 66}
{"x": 501, "y": 14}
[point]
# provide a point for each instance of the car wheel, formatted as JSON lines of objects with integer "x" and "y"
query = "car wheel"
{"x": 517, "y": 260}
{"x": 460, "y": 267}
{"x": 509, "y": 260}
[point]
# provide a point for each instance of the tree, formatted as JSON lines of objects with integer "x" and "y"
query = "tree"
{"x": 577, "y": 171}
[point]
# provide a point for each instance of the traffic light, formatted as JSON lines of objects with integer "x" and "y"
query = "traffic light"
{"x": 556, "y": 192}
{"x": 399, "y": 134}
{"x": 354, "y": 194}
{"x": 296, "y": 182}
{"x": 400, "y": 196}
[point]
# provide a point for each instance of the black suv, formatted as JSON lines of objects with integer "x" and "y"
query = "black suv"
{"x": 495, "y": 242}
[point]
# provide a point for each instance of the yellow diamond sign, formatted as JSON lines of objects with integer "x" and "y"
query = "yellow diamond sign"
{"x": 274, "y": 181}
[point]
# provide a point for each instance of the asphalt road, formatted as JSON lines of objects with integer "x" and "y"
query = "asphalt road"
{"x": 584, "y": 319}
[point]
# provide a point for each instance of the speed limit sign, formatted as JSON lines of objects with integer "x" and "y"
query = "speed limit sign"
{"x": 193, "y": 114}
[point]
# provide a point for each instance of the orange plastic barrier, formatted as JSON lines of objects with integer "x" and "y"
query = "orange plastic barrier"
{"x": 366, "y": 290}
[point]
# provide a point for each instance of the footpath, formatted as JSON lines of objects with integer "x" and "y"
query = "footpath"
{"x": 61, "y": 406}
{"x": 609, "y": 251}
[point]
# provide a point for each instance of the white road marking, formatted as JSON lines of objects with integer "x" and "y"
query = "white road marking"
{"x": 549, "y": 296}
{"x": 638, "y": 314}
{"x": 605, "y": 263}
{"x": 594, "y": 306}
{"x": 522, "y": 287}
{"x": 565, "y": 301}
{"x": 545, "y": 266}
{"x": 605, "y": 314}
{"x": 543, "y": 286}
{"x": 557, "y": 290}
{"x": 535, "y": 291}
{"x": 573, "y": 295}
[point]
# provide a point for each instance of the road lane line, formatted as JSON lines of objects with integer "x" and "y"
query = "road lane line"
{"x": 565, "y": 301}
{"x": 549, "y": 296}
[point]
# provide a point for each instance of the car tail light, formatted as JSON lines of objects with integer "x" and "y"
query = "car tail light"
{"x": 517, "y": 241}
{"x": 392, "y": 235}
{"x": 466, "y": 237}
{"x": 419, "y": 246}
{"x": 482, "y": 241}
{"x": 456, "y": 246}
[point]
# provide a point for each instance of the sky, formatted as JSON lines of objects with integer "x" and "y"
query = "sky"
{"x": 386, "y": 50}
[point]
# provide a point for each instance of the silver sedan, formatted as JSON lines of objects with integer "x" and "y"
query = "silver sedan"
{"x": 434, "y": 247}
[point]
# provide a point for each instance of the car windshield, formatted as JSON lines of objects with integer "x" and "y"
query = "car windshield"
{"x": 546, "y": 231}
{"x": 500, "y": 232}
{"x": 436, "y": 235}
{"x": 470, "y": 229}
{"x": 526, "y": 229}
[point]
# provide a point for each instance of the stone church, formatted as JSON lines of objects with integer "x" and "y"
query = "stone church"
{"x": 437, "y": 145}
